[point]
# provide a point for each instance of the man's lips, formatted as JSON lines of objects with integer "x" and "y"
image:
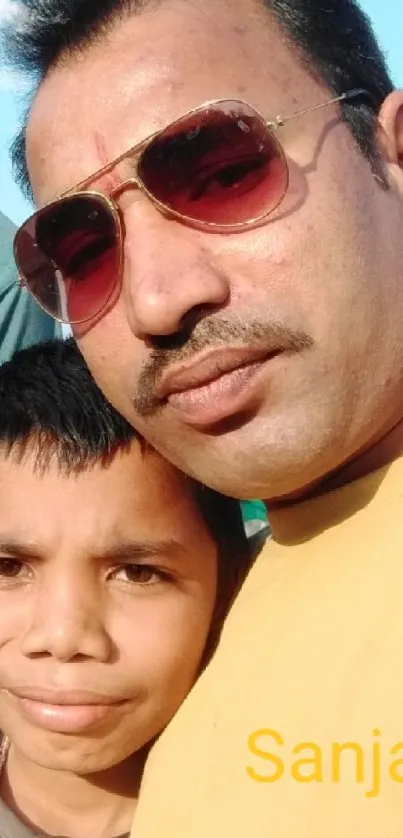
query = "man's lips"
{"x": 205, "y": 369}
{"x": 219, "y": 385}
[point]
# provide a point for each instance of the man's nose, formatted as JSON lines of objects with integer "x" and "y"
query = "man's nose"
{"x": 65, "y": 621}
{"x": 170, "y": 275}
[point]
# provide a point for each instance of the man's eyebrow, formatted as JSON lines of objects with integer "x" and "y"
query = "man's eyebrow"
{"x": 136, "y": 551}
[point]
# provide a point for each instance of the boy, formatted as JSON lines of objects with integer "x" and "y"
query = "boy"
{"x": 115, "y": 572}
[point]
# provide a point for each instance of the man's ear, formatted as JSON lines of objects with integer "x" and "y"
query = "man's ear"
{"x": 390, "y": 135}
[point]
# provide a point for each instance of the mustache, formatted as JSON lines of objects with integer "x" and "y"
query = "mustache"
{"x": 210, "y": 334}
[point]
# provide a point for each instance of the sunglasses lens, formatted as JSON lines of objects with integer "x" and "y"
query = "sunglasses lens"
{"x": 221, "y": 165}
{"x": 69, "y": 256}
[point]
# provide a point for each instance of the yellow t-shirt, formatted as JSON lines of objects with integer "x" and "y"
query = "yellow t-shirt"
{"x": 312, "y": 652}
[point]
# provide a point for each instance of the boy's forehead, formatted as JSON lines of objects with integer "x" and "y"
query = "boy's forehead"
{"x": 135, "y": 469}
{"x": 137, "y": 496}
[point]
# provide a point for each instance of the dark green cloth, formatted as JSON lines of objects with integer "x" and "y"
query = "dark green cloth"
{"x": 254, "y": 516}
{"x": 22, "y": 322}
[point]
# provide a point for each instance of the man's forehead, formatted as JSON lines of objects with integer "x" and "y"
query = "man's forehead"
{"x": 119, "y": 91}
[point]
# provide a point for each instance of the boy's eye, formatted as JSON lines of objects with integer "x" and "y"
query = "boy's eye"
{"x": 137, "y": 574}
{"x": 12, "y": 569}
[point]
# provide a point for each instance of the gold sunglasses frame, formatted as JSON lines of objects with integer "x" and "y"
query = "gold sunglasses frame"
{"x": 110, "y": 201}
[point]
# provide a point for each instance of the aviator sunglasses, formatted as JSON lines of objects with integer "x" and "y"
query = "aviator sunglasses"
{"x": 220, "y": 168}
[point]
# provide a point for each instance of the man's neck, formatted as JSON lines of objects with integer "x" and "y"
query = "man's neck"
{"x": 62, "y": 803}
{"x": 378, "y": 454}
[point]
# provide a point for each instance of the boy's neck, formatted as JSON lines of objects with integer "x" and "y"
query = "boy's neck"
{"x": 61, "y": 803}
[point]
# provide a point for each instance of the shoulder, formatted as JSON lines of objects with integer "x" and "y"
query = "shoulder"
{"x": 22, "y": 322}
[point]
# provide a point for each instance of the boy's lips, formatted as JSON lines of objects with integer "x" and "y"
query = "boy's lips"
{"x": 64, "y": 711}
{"x": 58, "y": 696}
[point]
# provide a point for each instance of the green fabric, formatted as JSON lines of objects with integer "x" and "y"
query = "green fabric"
{"x": 254, "y": 510}
{"x": 22, "y": 322}
{"x": 254, "y": 517}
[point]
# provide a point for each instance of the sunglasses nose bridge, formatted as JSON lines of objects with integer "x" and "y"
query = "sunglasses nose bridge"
{"x": 130, "y": 183}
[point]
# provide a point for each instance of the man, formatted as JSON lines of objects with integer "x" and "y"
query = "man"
{"x": 238, "y": 296}
{"x": 21, "y": 321}
{"x": 115, "y": 572}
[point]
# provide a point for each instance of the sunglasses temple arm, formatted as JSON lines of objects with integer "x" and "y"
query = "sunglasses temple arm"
{"x": 350, "y": 94}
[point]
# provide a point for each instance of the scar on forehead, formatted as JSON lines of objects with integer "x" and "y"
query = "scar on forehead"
{"x": 112, "y": 180}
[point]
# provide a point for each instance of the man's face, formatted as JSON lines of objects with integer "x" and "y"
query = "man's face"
{"x": 107, "y": 590}
{"x": 320, "y": 283}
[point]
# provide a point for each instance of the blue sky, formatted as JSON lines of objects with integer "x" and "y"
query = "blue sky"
{"x": 387, "y": 16}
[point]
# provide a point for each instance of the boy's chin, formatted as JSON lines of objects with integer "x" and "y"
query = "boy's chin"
{"x": 76, "y": 755}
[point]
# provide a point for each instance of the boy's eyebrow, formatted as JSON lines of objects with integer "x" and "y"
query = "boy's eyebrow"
{"x": 127, "y": 551}
{"x": 19, "y": 549}
{"x": 133, "y": 551}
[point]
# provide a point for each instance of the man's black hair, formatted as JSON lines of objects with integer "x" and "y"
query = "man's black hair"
{"x": 51, "y": 407}
{"x": 333, "y": 37}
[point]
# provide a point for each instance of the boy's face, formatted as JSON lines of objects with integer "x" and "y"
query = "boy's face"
{"x": 107, "y": 590}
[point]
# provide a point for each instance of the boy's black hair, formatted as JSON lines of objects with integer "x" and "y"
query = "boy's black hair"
{"x": 50, "y": 403}
{"x": 333, "y": 37}
{"x": 51, "y": 406}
